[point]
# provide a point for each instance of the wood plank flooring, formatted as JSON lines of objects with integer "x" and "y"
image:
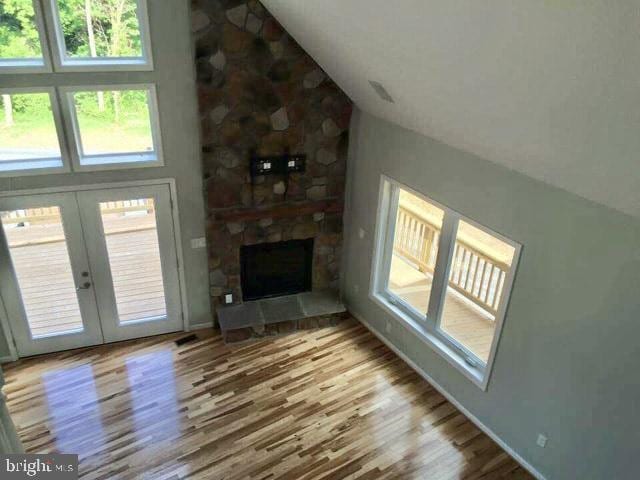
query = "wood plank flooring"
{"x": 332, "y": 403}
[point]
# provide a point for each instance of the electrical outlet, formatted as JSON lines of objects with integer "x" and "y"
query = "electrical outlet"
{"x": 387, "y": 327}
{"x": 198, "y": 242}
{"x": 361, "y": 233}
{"x": 228, "y": 298}
{"x": 542, "y": 440}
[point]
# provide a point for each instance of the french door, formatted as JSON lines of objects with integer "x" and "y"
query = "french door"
{"x": 84, "y": 268}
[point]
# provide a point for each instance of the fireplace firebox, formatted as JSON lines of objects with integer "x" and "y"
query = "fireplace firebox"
{"x": 276, "y": 269}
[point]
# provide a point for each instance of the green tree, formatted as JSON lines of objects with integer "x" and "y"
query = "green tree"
{"x": 18, "y": 32}
{"x": 118, "y": 31}
{"x": 101, "y": 28}
{"x": 113, "y": 24}
{"x": 18, "y": 40}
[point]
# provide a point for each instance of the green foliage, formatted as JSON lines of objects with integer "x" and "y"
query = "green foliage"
{"x": 114, "y": 26}
{"x": 118, "y": 29}
{"x": 74, "y": 27}
{"x": 33, "y": 104}
{"x": 130, "y": 104}
{"x": 18, "y": 32}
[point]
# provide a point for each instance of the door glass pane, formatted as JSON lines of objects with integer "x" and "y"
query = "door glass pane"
{"x": 100, "y": 28}
{"x": 28, "y": 136}
{"x": 134, "y": 258}
{"x": 479, "y": 267}
{"x": 40, "y": 257}
{"x": 112, "y": 124}
{"x": 415, "y": 248}
{"x": 19, "y": 39}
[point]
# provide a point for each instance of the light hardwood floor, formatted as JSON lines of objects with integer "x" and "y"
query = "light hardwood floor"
{"x": 332, "y": 403}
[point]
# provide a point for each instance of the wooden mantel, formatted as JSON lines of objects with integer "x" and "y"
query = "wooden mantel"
{"x": 285, "y": 210}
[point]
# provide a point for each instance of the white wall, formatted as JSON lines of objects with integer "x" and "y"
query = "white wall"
{"x": 174, "y": 71}
{"x": 569, "y": 354}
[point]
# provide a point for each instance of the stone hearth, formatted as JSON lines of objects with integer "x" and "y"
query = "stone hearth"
{"x": 281, "y": 315}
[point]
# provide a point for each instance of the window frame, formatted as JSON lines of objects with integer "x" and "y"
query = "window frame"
{"x": 428, "y": 327}
{"x": 8, "y": 66}
{"x": 66, "y": 64}
{"x": 72, "y": 128}
{"x": 60, "y": 134}
{"x": 58, "y": 76}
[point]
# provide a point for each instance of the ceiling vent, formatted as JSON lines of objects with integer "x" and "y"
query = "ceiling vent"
{"x": 381, "y": 91}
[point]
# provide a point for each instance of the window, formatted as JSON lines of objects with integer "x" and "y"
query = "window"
{"x": 479, "y": 267}
{"x": 417, "y": 232}
{"x": 84, "y": 35}
{"x": 448, "y": 278}
{"x": 100, "y": 34}
{"x": 114, "y": 126}
{"x": 55, "y": 129}
{"x": 21, "y": 45}
{"x": 29, "y": 138}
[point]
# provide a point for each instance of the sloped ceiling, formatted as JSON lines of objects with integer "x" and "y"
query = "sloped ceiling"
{"x": 550, "y": 88}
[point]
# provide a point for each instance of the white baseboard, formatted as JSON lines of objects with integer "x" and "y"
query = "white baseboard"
{"x": 200, "y": 326}
{"x": 451, "y": 399}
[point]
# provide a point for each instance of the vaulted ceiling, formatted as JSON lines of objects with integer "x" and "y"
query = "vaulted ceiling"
{"x": 550, "y": 88}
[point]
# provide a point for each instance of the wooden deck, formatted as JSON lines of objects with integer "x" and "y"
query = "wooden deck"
{"x": 134, "y": 256}
{"x": 48, "y": 288}
{"x": 333, "y": 403}
{"x": 461, "y": 319}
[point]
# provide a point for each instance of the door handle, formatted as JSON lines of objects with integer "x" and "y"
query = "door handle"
{"x": 84, "y": 286}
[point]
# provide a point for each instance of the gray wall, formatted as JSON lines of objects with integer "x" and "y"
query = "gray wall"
{"x": 568, "y": 359}
{"x": 175, "y": 80}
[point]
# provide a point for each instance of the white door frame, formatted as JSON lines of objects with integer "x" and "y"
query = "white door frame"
{"x": 5, "y": 324}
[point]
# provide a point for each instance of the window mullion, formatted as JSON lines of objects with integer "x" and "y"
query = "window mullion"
{"x": 59, "y": 115}
{"x": 70, "y": 127}
{"x": 51, "y": 19}
{"x": 392, "y": 214}
{"x": 442, "y": 269}
{"x": 43, "y": 34}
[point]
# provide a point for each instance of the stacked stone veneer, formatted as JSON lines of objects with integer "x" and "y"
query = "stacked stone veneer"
{"x": 260, "y": 92}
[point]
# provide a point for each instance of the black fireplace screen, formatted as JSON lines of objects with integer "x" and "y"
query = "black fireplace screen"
{"x": 275, "y": 269}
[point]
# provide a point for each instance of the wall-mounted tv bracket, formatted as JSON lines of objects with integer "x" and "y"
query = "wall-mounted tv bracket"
{"x": 278, "y": 164}
{"x": 284, "y": 164}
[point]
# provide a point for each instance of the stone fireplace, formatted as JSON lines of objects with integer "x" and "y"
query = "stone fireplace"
{"x": 261, "y": 94}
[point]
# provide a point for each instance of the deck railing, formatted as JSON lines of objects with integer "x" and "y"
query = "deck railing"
{"x": 475, "y": 274}
{"x": 48, "y": 214}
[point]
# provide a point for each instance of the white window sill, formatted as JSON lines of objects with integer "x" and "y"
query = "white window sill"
{"x": 478, "y": 375}
{"x": 126, "y": 160}
{"x": 84, "y": 64}
{"x": 37, "y": 166}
